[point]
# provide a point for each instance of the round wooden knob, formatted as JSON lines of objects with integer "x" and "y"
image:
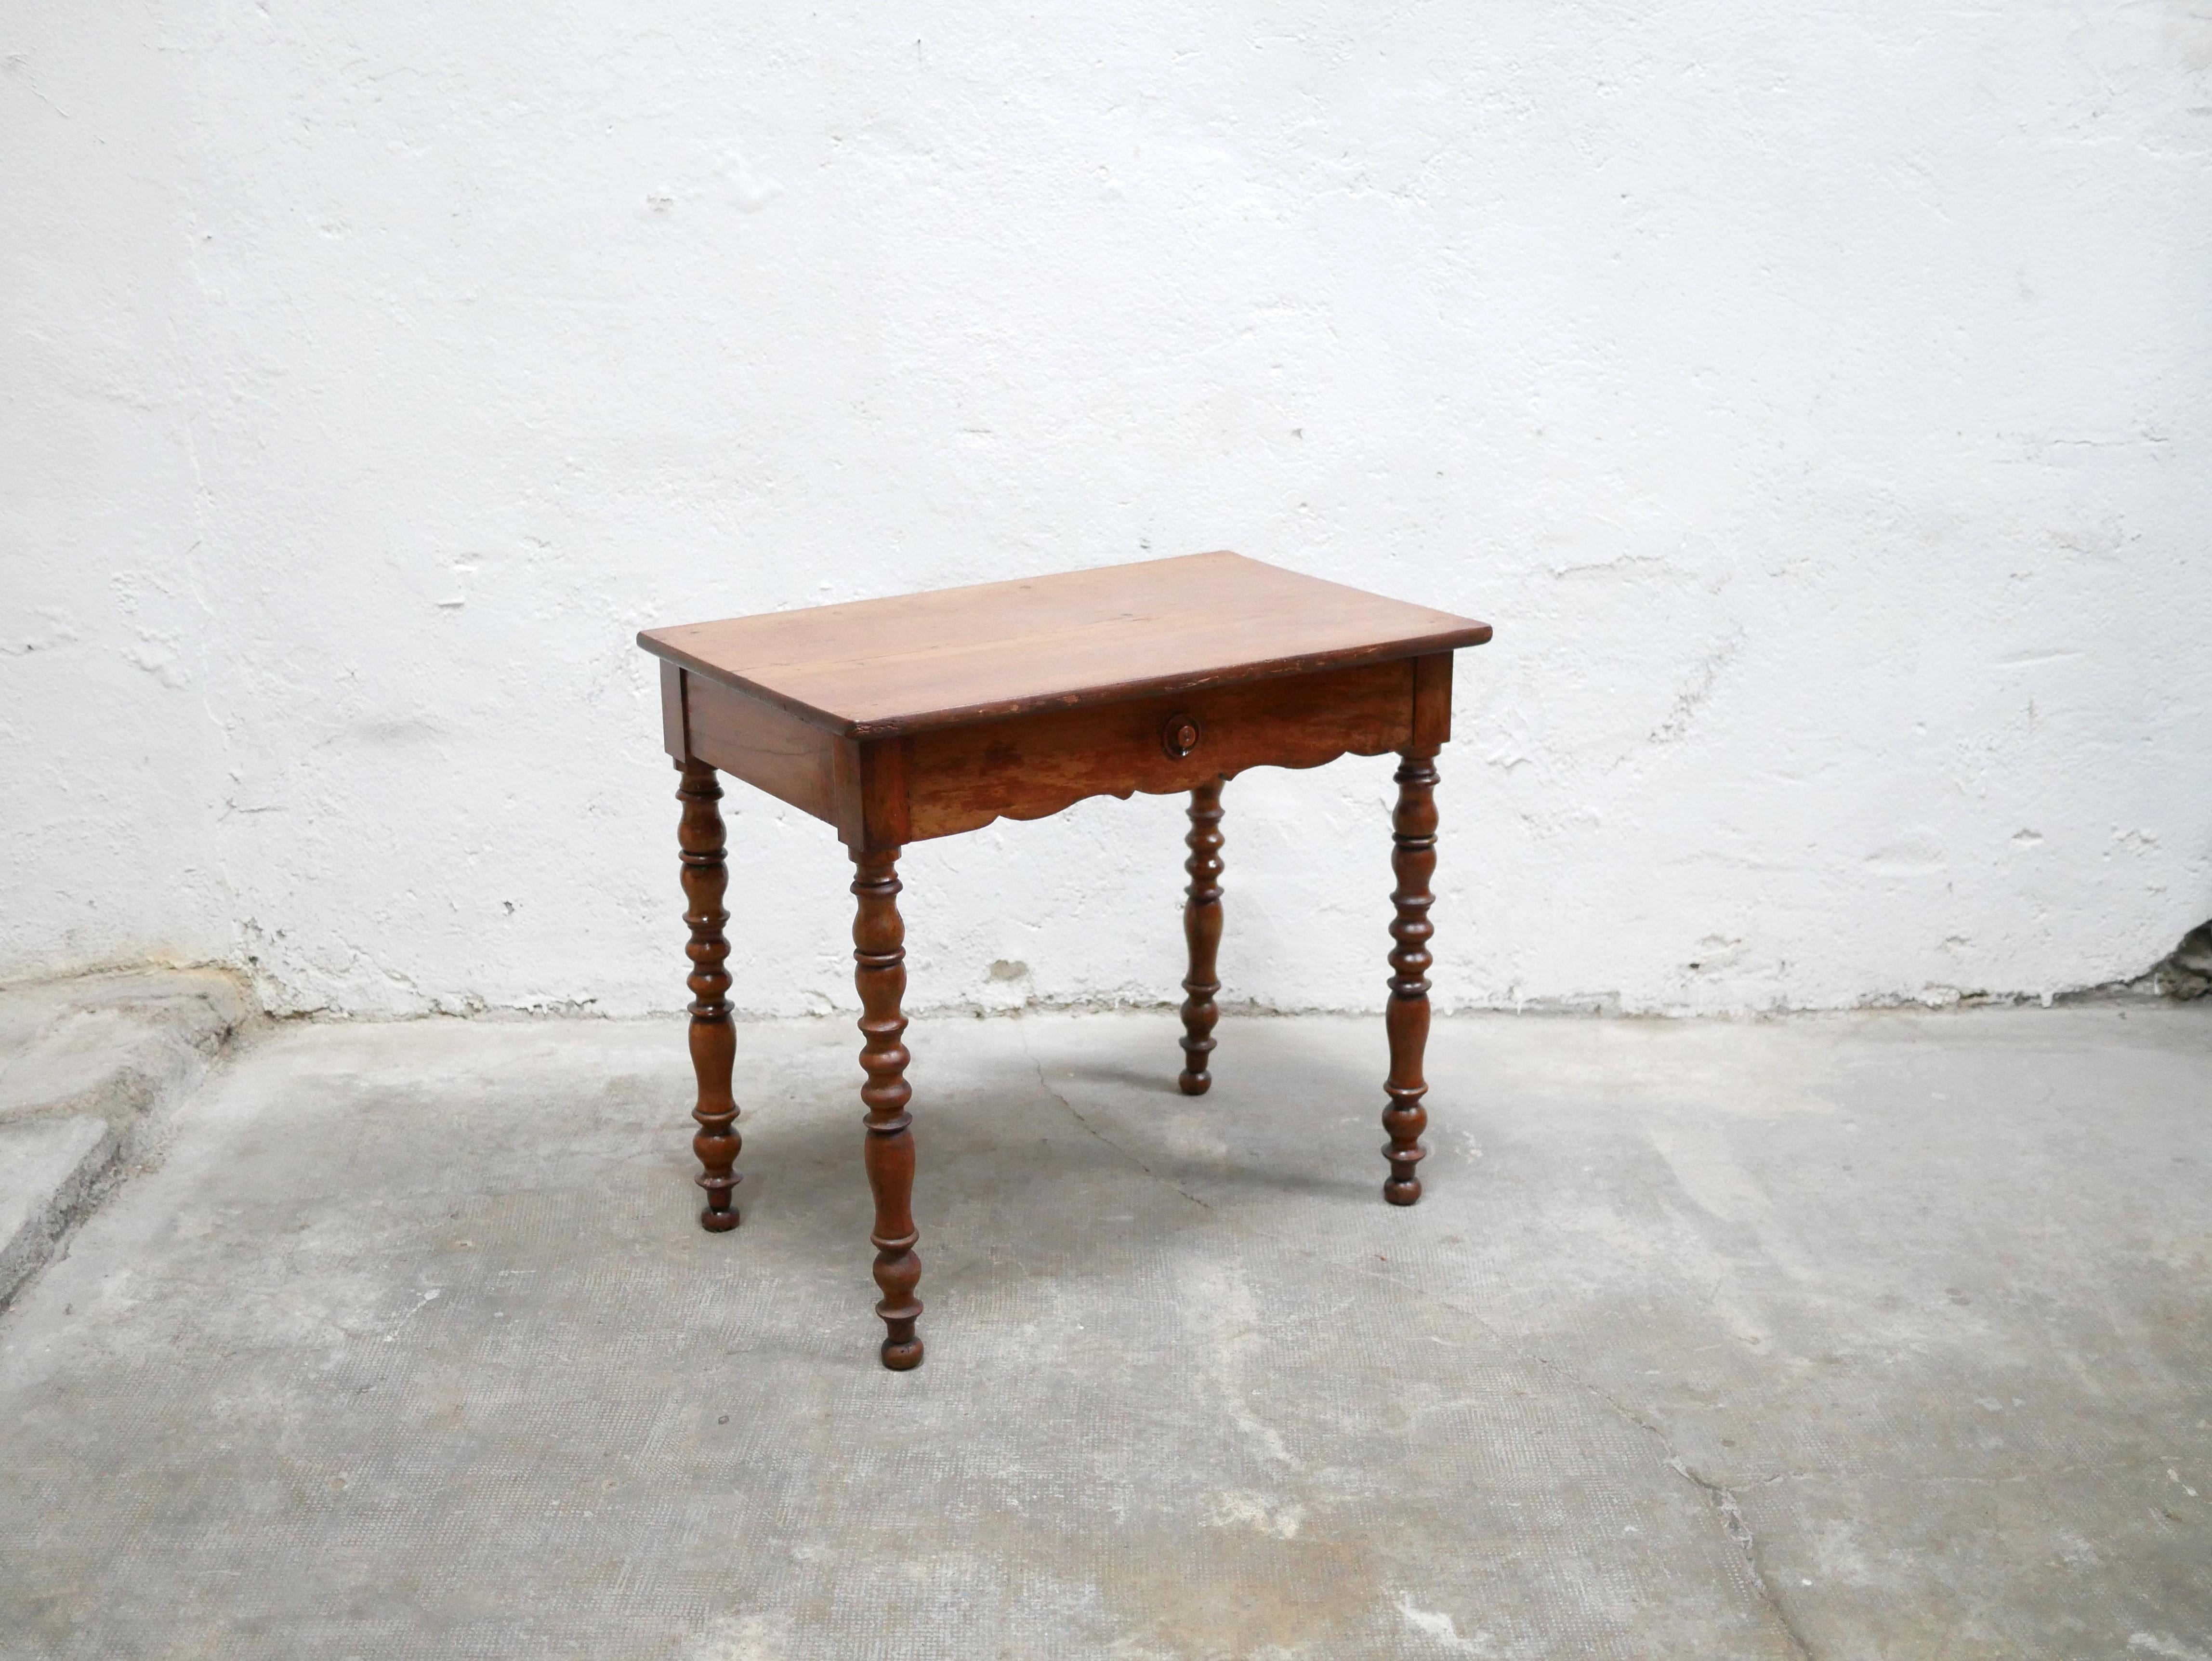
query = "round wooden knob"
{"x": 1180, "y": 736}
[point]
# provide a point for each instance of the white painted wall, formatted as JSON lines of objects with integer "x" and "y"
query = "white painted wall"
{"x": 1818, "y": 401}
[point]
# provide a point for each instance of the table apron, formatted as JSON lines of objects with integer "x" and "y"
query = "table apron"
{"x": 884, "y": 792}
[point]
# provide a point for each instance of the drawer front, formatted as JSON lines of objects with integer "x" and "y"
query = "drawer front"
{"x": 1028, "y": 766}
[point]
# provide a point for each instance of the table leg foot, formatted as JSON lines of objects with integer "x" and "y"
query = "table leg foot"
{"x": 1201, "y": 929}
{"x": 897, "y": 1269}
{"x": 879, "y": 973}
{"x": 714, "y": 1041}
{"x": 1413, "y": 860}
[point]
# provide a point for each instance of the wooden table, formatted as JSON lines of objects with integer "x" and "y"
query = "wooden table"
{"x": 928, "y": 714}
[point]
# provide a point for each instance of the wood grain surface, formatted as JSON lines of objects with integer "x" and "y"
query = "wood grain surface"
{"x": 1413, "y": 860}
{"x": 961, "y": 778}
{"x": 879, "y": 973}
{"x": 880, "y": 668}
{"x": 713, "y": 1045}
{"x": 1201, "y": 929}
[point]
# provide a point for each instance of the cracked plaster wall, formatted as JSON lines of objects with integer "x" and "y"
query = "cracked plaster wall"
{"x": 1816, "y": 402}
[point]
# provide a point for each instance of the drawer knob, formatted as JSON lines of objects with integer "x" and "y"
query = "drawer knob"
{"x": 1180, "y": 736}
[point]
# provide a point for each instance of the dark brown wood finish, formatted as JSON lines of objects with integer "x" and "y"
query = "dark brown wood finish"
{"x": 763, "y": 743}
{"x": 714, "y": 1041}
{"x": 876, "y": 667}
{"x": 889, "y": 792}
{"x": 879, "y": 973}
{"x": 1413, "y": 862}
{"x": 1030, "y": 766}
{"x": 1433, "y": 692}
{"x": 875, "y": 797}
{"x": 924, "y": 716}
{"x": 1202, "y": 930}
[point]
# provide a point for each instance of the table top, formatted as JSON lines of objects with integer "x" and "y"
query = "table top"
{"x": 872, "y": 668}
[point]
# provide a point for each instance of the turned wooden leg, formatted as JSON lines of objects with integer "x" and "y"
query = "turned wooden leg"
{"x": 713, "y": 1042}
{"x": 1413, "y": 860}
{"x": 1201, "y": 929}
{"x": 879, "y": 972}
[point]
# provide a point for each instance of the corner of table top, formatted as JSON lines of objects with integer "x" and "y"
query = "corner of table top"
{"x": 835, "y": 724}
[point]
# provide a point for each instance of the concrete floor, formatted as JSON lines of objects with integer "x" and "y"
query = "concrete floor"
{"x": 1868, "y": 1336}
{"x": 89, "y": 1068}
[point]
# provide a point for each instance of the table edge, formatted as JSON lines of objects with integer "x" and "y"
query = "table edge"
{"x": 1470, "y": 633}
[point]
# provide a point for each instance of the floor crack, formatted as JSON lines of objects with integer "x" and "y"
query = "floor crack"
{"x": 1725, "y": 1507}
{"x": 1722, "y": 1500}
{"x": 1045, "y": 1085}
